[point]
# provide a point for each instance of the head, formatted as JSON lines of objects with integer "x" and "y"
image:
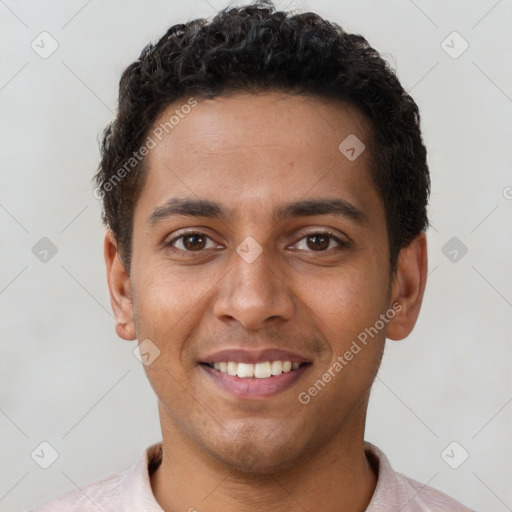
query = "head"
{"x": 254, "y": 48}
{"x": 289, "y": 153}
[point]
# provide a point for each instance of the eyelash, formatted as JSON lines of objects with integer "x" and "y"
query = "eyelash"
{"x": 342, "y": 244}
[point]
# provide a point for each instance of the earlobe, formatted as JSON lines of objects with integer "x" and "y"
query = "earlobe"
{"x": 119, "y": 288}
{"x": 408, "y": 287}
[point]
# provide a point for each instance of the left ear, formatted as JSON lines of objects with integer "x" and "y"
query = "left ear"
{"x": 408, "y": 286}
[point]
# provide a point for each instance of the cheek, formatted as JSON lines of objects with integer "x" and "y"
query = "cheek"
{"x": 169, "y": 292}
{"x": 165, "y": 308}
{"x": 347, "y": 301}
{"x": 161, "y": 301}
{"x": 345, "y": 307}
{"x": 168, "y": 306}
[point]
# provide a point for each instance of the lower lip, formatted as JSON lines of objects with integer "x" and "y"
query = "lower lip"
{"x": 252, "y": 387}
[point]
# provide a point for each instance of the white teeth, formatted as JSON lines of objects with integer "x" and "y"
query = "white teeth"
{"x": 276, "y": 367}
{"x": 232, "y": 367}
{"x": 262, "y": 370}
{"x": 245, "y": 370}
{"x": 259, "y": 370}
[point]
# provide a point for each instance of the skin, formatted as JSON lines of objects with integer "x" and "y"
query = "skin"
{"x": 252, "y": 154}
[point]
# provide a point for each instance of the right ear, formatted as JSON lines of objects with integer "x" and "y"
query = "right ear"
{"x": 119, "y": 288}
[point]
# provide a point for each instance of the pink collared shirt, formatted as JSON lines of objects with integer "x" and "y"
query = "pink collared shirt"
{"x": 130, "y": 490}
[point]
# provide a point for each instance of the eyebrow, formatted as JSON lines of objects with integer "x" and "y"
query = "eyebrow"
{"x": 213, "y": 210}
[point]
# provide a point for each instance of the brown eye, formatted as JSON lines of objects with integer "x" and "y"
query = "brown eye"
{"x": 318, "y": 242}
{"x": 322, "y": 241}
{"x": 192, "y": 242}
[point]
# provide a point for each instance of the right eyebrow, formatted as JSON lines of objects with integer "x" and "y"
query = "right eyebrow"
{"x": 189, "y": 207}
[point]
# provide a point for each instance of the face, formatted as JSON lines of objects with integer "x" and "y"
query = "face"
{"x": 258, "y": 245}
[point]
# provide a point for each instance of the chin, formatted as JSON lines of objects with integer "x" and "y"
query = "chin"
{"x": 252, "y": 459}
{"x": 255, "y": 451}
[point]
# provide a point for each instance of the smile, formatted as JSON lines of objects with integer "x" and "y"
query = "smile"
{"x": 263, "y": 370}
{"x": 254, "y": 381}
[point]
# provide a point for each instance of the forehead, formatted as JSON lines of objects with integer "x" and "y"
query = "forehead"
{"x": 252, "y": 150}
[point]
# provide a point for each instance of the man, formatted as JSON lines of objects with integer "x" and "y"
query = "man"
{"x": 264, "y": 187}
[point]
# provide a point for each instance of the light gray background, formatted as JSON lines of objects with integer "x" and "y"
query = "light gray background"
{"x": 65, "y": 376}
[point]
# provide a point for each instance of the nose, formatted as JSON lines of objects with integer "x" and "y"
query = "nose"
{"x": 254, "y": 293}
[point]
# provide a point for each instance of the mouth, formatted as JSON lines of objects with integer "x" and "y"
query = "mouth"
{"x": 255, "y": 380}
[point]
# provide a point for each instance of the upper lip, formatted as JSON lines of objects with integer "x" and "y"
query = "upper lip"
{"x": 254, "y": 356}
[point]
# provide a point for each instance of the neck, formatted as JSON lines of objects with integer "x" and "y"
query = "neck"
{"x": 336, "y": 477}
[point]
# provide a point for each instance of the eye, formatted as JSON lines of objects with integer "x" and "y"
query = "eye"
{"x": 192, "y": 242}
{"x": 320, "y": 241}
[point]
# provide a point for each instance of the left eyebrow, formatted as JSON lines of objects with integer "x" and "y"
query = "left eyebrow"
{"x": 307, "y": 208}
{"x": 210, "y": 209}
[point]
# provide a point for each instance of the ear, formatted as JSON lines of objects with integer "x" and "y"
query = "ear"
{"x": 408, "y": 286}
{"x": 120, "y": 289}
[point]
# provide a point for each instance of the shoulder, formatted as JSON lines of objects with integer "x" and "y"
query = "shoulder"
{"x": 396, "y": 491}
{"x": 127, "y": 490}
{"x": 428, "y": 499}
{"x": 102, "y": 494}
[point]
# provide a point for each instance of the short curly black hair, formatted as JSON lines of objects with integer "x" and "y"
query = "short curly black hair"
{"x": 254, "y": 48}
